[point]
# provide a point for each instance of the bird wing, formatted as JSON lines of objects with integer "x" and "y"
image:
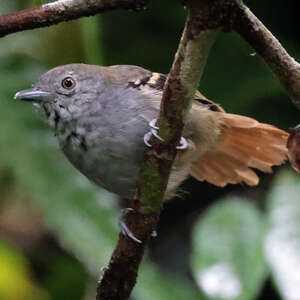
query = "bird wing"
{"x": 244, "y": 144}
{"x": 200, "y": 99}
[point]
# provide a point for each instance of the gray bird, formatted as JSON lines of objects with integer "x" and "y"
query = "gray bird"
{"x": 101, "y": 117}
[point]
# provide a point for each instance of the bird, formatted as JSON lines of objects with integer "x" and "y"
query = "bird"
{"x": 102, "y": 117}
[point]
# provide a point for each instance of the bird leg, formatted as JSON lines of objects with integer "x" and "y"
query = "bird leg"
{"x": 123, "y": 226}
{"x": 153, "y": 131}
{"x": 125, "y": 229}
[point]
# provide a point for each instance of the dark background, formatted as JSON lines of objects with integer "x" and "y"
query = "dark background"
{"x": 57, "y": 230}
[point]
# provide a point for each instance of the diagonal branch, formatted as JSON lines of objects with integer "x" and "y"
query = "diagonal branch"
{"x": 235, "y": 15}
{"x": 120, "y": 277}
{"x": 62, "y": 10}
{"x": 204, "y": 18}
{"x": 286, "y": 69}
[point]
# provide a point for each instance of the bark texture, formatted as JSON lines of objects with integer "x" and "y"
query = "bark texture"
{"x": 60, "y": 11}
{"x": 204, "y": 19}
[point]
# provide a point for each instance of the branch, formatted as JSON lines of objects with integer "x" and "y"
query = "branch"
{"x": 120, "y": 277}
{"x": 286, "y": 69}
{"x": 204, "y": 18}
{"x": 62, "y": 10}
{"x": 234, "y": 14}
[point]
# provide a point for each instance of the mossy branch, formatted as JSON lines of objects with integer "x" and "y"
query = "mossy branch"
{"x": 120, "y": 276}
{"x": 204, "y": 19}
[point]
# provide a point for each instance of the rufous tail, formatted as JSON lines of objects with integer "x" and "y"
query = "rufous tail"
{"x": 245, "y": 144}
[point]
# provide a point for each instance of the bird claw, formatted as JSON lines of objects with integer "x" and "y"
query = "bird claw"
{"x": 147, "y": 138}
{"x": 154, "y": 234}
{"x": 154, "y": 132}
{"x": 124, "y": 228}
{"x": 184, "y": 144}
{"x": 152, "y": 124}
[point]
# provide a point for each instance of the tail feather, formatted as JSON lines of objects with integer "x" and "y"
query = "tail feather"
{"x": 233, "y": 120}
{"x": 245, "y": 144}
{"x": 253, "y": 149}
{"x": 223, "y": 169}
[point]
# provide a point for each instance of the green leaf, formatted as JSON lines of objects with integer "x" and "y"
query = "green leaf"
{"x": 282, "y": 245}
{"x": 16, "y": 282}
{"x": 227, "y": 260}
{"x": 153, "y": 283}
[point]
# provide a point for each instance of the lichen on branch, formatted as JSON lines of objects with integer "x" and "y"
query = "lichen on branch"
{"x": 60, "y": 11}
{"x": 179, "y": 90}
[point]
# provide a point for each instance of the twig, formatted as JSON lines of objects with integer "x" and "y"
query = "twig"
{"x": 120, "y": 276}
{"x": 62, "y": 10}
{"x": 286, "y": 69}
{"x": 235, "y": 15}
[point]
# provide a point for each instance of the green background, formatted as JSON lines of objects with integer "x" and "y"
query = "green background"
{"x": 57, "y": 230}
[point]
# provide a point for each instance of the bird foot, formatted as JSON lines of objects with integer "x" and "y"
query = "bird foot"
{"x": 154, "y": 234}
{"x": 124, "y": 228}
{"x": 184, "y": 144}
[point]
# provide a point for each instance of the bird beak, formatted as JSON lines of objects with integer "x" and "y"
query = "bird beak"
{"x": 34, "y": 95}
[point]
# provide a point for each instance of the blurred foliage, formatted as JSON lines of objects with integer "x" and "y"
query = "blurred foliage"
{"x": 15, "y": 278}
{"x": 57, "y": 230}
{"x": 228, "y": 260}
{"x": 282, "y": 242}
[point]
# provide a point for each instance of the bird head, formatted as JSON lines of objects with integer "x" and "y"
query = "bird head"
{"x": 65, "y": 92}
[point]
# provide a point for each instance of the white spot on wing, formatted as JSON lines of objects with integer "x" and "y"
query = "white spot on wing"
{"x": 153, "y": 79}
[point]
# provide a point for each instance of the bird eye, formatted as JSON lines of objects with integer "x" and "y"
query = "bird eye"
{"x": 68, "y": 83}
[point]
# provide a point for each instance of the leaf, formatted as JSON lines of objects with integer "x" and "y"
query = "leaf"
{"x": 282, "y": 245}
{"x": 15, "y": 278}
{"x": 153, "y": 283}
{"x": 227, "y": 259}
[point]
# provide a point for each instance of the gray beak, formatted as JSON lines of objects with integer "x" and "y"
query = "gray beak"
{"x": 34, "y": 95}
